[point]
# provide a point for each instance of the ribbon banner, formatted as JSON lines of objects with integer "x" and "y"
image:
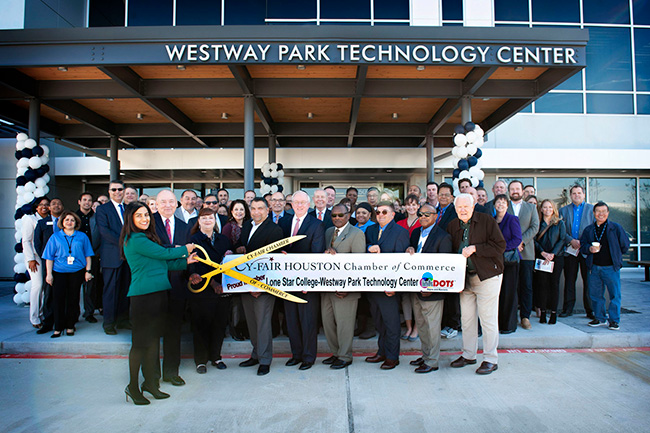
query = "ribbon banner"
{"x": 351, "y": 272}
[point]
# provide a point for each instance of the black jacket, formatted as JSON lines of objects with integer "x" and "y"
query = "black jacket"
{"x": 438, "y": 241}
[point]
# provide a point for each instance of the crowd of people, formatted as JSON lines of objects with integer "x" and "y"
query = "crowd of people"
{"x": 131, "y": 258}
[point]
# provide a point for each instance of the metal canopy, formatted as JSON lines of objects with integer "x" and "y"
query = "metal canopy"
{"x": 97, "y": 82}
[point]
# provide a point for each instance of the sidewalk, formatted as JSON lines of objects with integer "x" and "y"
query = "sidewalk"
{"x": 18, "y": 337}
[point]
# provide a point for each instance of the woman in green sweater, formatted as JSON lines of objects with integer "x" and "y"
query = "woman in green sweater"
{"x": 149, "y": 262}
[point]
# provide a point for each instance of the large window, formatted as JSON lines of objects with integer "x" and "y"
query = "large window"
{"x": 391, "y": 9}
{"x": 151, "y": 12}
{"x": 511, "y": 10}
{"x": 644, "y": 210}
{"x": 620, "y": 196}
{"x": 244, "y": 12}
{"x": 609, "y": 59}
{"x": 345, "y": 9}
{"x": 557, "y": 188}
{"x": 559, "y": 103}
{"x": 105, "y": 13}
{"x": 291, "y": 9}
{"x": 598, "y": 103}
{"x": 642, "y": 58}
{"x": 556, "y": 11}
{"x": 643, "y": 104}
{"x": 606, "y": 11}
{"x": 198, "y": 12}
{"x": 641, "y": 12}
{"x": 452, "y": 10}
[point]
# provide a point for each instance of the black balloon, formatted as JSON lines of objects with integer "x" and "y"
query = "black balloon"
{"x": 26, "y": 208}
{"x": 21, "y": 278}
{"x": 463, "y": 165}
{"x": 19, "y": 214}
{"x": 31, "y": 175}
{"x": 280, "y": 188}
{"x": 456, "y": 173}
{"x": 469, "y": 126}
{"x": 18, "y": 247}
{"x": 280, "y": 166}
{"x": 46, "y": 168}
{"x": 459, "y": 129}
{"x": 480, "y": 183}
{"x": 472, "y": 161}
{"x": 478, "y": 153}
{"x": 38, "y": 151}
{"x": 18, "y": 154}
{"x": 27, "y": 153}
{"x": 21, "y": 181}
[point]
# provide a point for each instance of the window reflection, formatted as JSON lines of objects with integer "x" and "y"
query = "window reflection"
{"x": 452, "y": 9}
{"x": 609, "y": 59}
{"x": 291, "y": 9}
{"x": 511, "y": 10}
{"x": 609, "y": 104}
{"x": 244, "y": 12}
{"x": 198, "y": 12}
{"x": 391, "y": 9}
{"x": 642, "y": 58}
{"x": 151, "y": 12}
{"x": 559, "y": 103}
{"x": 644, "y": 209}
{"x": 350, "y": 9}
{"x": 557, "y": 188}
{"x": 556, "y": 11}
{"x": 620, "y": 196}
{"x": 606, "y": 11}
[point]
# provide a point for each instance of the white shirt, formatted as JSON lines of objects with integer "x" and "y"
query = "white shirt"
{"x": 341, "y": 229}
{"x": 255, "y": 226}
{"x": 293, "y": 223}
{"x": 516, "y": 207}
{"x": 422, "y": 241}
{"x": 187, "y": 215}
{"x": 322, "y": 212}
{"x": 116, "y": 205}
{"x": 172, "y": 225}
{"x": 29, "y": 225}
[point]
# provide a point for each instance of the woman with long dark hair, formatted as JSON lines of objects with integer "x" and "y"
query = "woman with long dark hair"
{"x": 238, "y": 214}
{"x": 150, "y": 263}
{"x": 210, "y": 308}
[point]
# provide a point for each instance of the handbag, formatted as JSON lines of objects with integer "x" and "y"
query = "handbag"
{"x": 511, "y": 257}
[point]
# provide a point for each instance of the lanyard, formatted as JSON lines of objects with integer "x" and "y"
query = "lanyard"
{"x": 69, "y": 243}
{"x": 598, "y": 238}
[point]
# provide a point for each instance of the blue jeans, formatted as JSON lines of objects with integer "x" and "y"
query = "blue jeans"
{"x": 599, "y": 278}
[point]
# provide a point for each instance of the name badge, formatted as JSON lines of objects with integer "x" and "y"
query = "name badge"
{"x": 70, "y": 260}
{"x": 49, "y": 223}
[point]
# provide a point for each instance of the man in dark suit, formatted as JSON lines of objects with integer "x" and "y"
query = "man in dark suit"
{"x": 339, "y": 310}
{"x": 116, "y": 272}
{"x": 386, "y": 237}
{"x": 320, "y": 210}
{"x": 256, "y": 233}
{"x": 211, "y": 202}
{"x": 447, "y": 211}
{"x": 427, "y": 306}
{"x": 302, "y": 319}
{"x": 44, "y": 229}
{"x": 172, "y": 231}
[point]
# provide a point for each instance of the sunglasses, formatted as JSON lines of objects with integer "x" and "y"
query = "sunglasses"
{"x": 426, "y": 214}
{"x": 116, "y": 189}
{"x": 338, "y": 215}
{"x": 211, "y": 202}
{"x": 383, "y": 212}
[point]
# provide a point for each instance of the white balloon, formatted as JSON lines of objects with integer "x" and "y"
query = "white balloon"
{"x": 40, "y": 182}
{"x": 20, "y": 287}
{"x": 22, "y": 170}
{"x": 39, "y": 192}
{"x": 44, "y": 159}
{"x": 18, "y": 298}
{"x": 18, "y": 224}
{"x": 274, "y": 189}
{"x": 22, "y": 136}
{"x": 471, "y": 136}
{"x": 280, "y": 174}
{"x": 20, "y": 268}
{"x": 454, "y": 161}
{"x": 46, "y": 189}
{"x": 20, "y": 145}
{"x": 19, "y": 258}
{"x": 460, "y": 140}
{"x": 25, "y": 297}
{"x": 274, "y": 173}
{"x": 456, "y": 192}
{"x": 46, "y": 150}
{"x": 464, "y": 175}
{"x": 35, "y": 162}
{"x": 462, "y": 152}
{"x": 455, "y": 183}
{"x": 264, "y": 188}
{"x": 28, "y": 285}
{"x": 23, "y": 162}
{"x": 46, "y": 177}
{"x": 479, "y": 142}
{"x": 479, "y": 164}
{"x": 280, "y": 181}
{"x": 28, "y": 197}
{"x": 454, "y": 151}
{"x": 30, "y": 187}
{"x": 20, "y": 201}
{"x": 481, "y": 175}
{"x": 20, "y": 189}
{"x": 474, "y": 171}
{"x": 30, "y": 143}
{"x": 474, "y": 181}
{"x": 471, "y": 149}
{"x": 273, "y": 166}
{"x": 479, "y": 132}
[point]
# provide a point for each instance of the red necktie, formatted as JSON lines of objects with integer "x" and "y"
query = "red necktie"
{"x": 320, "y": 215}
{"x": 169, "y": 230}
{"x": 295, "y": 229}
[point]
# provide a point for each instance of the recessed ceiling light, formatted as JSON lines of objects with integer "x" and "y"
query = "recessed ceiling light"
{"x": 180, "y": 67}
{"x": 67, "y": 117}
{"x": 519, "y": 68}
{"x": 63, "y": 68}
{"x": 395, "y": 116}
{"x": 405, "y": 99}
{"x": 208, "y": 98}
{"x": 301, "y": 67}
{"x": 139, "y": 116}
{"x": 310, "y": 115}
{"x": 224, "y": 116}
{"x": 110, "y": 99}
{"x": 420, "y": 68}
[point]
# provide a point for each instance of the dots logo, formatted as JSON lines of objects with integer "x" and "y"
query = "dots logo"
{"x": 427, "y": 282}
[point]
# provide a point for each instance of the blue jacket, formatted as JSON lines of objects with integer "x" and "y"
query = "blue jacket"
{"x": 618, "y": 241}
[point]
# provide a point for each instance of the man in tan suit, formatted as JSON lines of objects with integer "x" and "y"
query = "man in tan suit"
{"x": 339, "y": 310}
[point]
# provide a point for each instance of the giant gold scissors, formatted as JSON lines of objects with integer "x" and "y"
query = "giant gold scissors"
{"x": 227, "y": 269}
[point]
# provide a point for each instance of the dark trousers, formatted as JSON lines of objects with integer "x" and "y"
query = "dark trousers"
{"x": 451, "y": 311}
{"x": 548, "y": 285}
{"x": 65, "y": 298}
{"x": 508, "y": 298}
{"x": 385, "y": 311}
{"x": 571, "y": 265}
{"x": 525, "y": 288}
{"x": 90, "y": 289}
{"x": 116, "y": 286}
{"x": 48, "y": 311}
{"x": 258, "y": 313}
{"x": 209, "y": 322}
{"x": 302, "y": 325}
{"x": 172, "y": 336}
{"x": 147, "y": 320}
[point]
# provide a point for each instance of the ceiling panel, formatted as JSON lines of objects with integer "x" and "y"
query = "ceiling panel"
{"x": 202, "y": 110}
{"x": 190, "y": 71}
{"x": 413, "y": 110}
{"x": 509, "y": 73}
{"x": 429, "y": 72}
{"x": 310, "y": 71}
{"x": 121, "y": 110}
{"x": 49, "y": 113}
{"x": 73, "y": 73}
{"x": 296, "y": 109}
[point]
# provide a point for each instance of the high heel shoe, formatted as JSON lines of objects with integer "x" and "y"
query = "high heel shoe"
{"x": 137, "y": 397}
{"x": 55, "y": 335}
{"x": 70, "y": 332}
{"x": 154, "y": 391}
{"x": 542, "y": 316}
{"x": 553, "y": 319}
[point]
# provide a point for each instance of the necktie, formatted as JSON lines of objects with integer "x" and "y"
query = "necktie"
{"x": 336, "y": 235}
{"x": 419, "y": 247}
{"x": 55, "y": 224}
{"x": 380, "y": 232}
{"x": 168, "y": 228}
{"x": 439, "y": 217}
{"x": 320, "y": 215}
{"x": 121, "y": 206}
{"x": 295, "y": 229}
{"x": 275, "y": 218}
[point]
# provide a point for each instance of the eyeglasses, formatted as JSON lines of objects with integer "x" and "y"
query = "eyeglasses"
{"x": 445, "y": 194}
{"x": 211, "y": 202}
{"x": 383, "y": 212}
{"x": 426, "y": 214}
{"x": 338, "y": 215}
{"x": 116, "y": 189}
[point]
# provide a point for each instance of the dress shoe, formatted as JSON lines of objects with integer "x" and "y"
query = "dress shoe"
{"x": 249, "y": 362}
{"x": 220, "y": 364}
{"x": 91, "y": 319}
{"x": 154, "y": 391}
{"x": 263, "y": 369}
{"x": 462, "y": 362}
{"x": 44, "y": 330}
{"x": 375, "y": 359}
{"x": 542, "y": 316}
{"x": 174, "y": 380}
{"x": 566, "y": 314}
{"x": 525, "y": 323}
{"x": 201, "y": 369}
{"x": 507, "y": 331}
{"x": 339, "y": 364}
{"x": 331, "y": 360}
{"x": 136, "y": 396}
{"x": 55, "y": 335}
{"x": 417, "y": 362}
{"x": 305, "y": 366}
{"x": 366, "y": 335}
{"x": 425, "y": 369}
{"x": 553, "y": 319}
{"x": 110, "y": 330}
{"x": 124, "y": 325}
{"x": 293, "y": 361}
{"x": 389, "y": 364}
{"x": 70, "y": 332}
{"x": 486, "y": 368}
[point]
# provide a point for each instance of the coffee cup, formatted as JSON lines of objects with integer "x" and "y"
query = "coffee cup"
{"x": 596, "y": 245}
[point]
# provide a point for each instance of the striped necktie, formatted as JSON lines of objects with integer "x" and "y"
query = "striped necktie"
{"x": 296, "y": 228}
{"x": 336, "y": 235}
{"x": 168, "y": 228}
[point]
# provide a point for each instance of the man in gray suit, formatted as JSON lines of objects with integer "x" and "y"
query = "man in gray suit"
{"x": 529, "y": 222}
{"x": 339, "y": 310}
{"x": 576, "y": 216}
